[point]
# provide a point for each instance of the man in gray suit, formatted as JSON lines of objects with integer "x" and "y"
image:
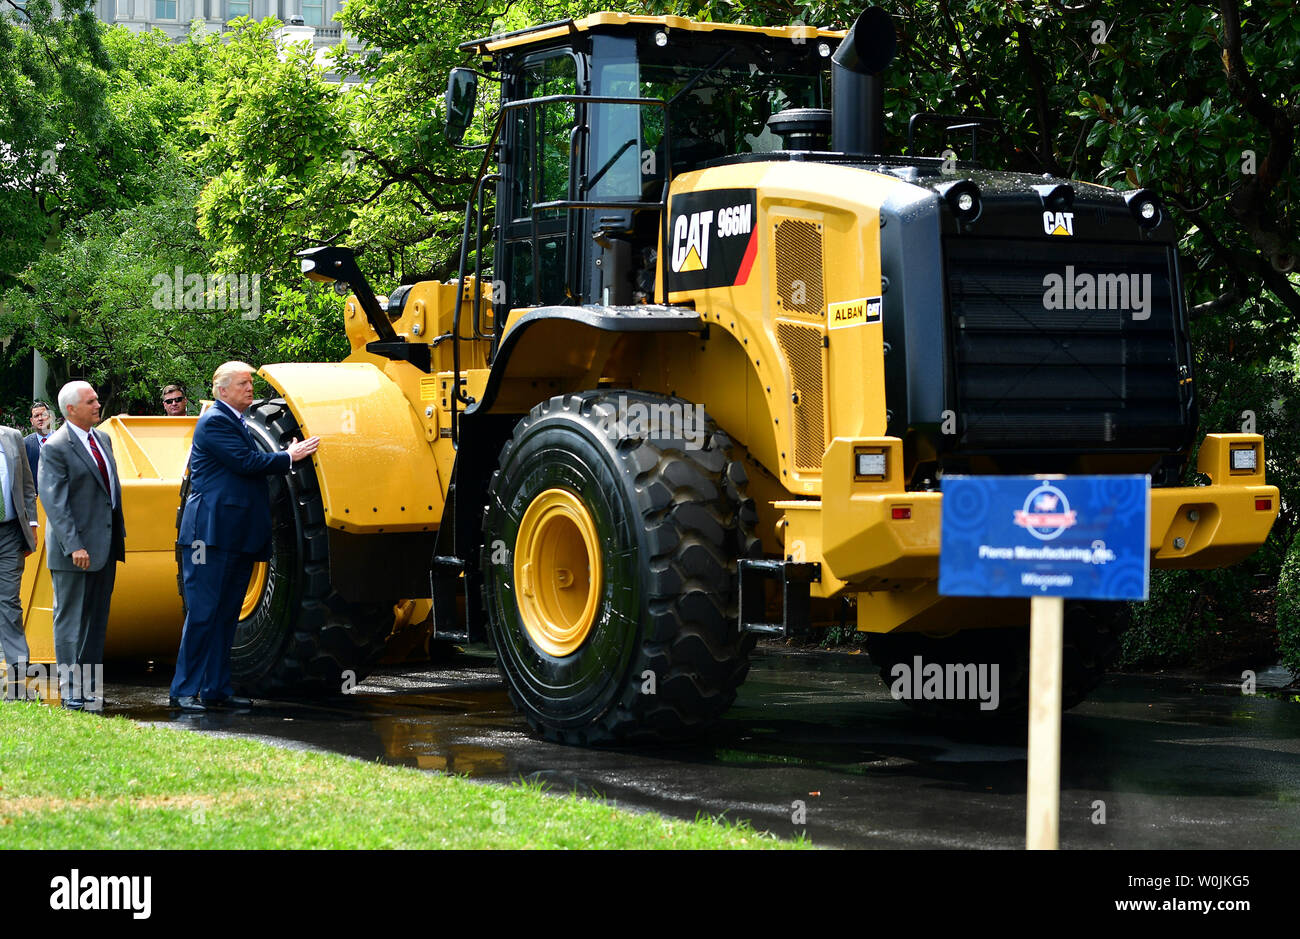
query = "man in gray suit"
{"x": 85, "y": 537}
{"x": 17, "y": 540}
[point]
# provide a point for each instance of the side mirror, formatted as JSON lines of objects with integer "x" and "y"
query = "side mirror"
{"x": 462, "y": 91}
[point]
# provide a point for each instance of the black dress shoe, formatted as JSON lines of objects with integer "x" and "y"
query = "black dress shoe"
{"x": 188, "y": 703}
{"x": 230, "y": 703}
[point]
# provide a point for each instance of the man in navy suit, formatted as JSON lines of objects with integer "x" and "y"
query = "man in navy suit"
{"x": 225, "y": 528}
{"x": 42, "y": 427}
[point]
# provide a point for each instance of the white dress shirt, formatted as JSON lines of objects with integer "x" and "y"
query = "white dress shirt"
{"x": 230, "y": 409}
{"x": 7, "y": 510}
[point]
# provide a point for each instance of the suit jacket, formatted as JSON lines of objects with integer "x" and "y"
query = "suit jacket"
{"x": 24, "y": 487}
{"x": 78, "y": 511}
{"x": 229, "y": 506}
{"x": 33, "y": 444}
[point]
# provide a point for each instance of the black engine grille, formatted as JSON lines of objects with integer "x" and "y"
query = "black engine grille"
{"x": 1027, "y": 376}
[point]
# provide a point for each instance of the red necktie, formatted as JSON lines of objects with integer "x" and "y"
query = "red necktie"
{"x": 103, "y": 467}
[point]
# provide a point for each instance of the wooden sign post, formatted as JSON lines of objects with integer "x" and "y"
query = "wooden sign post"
{"x": 1043, "y": 787}
{"x": 1045, "y": 538}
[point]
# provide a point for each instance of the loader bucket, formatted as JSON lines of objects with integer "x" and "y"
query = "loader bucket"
{"x": 146, "y": 616}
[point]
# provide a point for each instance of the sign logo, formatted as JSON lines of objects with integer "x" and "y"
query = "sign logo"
{"x": 1058, "y": 223}
{"x": 1046, "y": 513}
{"x": 1125, "y": 292}
{"x": 854, "y": 312}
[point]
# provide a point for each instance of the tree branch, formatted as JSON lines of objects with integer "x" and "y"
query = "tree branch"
{"x": 971, "y": 78}
{"x": 1229, "y": 298}
{"x": 1250, "y": 202}
{"x": 1046, "y": 131}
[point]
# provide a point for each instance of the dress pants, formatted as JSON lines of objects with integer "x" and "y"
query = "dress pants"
{"x": 214, "y": 592}
{"x": 13, "y": 642}
{"x": 81, "y": 600}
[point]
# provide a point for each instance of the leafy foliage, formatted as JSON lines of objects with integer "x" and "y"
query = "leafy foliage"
{"x": 53, "y": 121}
{"x": 92, "y": 304}
{"x": 1288, "y": 611}
{"x": 89, "y": 298}
{"x": 273, "y": 133}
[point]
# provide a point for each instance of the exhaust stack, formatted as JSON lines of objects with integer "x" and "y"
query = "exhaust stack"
{"x": 857, "y": 92}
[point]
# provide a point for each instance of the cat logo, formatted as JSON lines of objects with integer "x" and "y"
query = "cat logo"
{"x": 691, "y": 241}
{"x": 1058, "y": 223}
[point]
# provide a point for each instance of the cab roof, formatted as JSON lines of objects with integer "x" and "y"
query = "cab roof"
{"x": 545, "y": 32}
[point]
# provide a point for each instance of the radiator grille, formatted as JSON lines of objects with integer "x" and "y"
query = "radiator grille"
{"x": 1027, "y": 374}
{"x": 798, "y": 247}
{"x": 803, "y": 349}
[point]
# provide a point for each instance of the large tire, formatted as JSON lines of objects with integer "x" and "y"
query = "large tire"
{"x": 1091, "y": 642}
{"x": 654, "y": 652}
{"x": 296, "y": 634}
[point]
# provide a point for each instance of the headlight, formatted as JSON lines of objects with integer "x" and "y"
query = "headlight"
{"x": 871, "y": 464}
{"x": 1244, "y": 459}
{"x": 1145, "y": 206}
{"x": 963, "y": 197}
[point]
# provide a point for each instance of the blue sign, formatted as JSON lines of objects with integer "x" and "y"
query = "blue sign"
{"x": 1086, "y": 537}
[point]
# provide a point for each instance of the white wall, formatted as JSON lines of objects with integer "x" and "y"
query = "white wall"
{"x": 139, "y": 14}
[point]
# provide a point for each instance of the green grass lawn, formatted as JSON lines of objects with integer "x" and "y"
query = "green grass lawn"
{"x": 73, "y": 780}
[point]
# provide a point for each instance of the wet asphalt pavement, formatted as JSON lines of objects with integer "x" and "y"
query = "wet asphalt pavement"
{"x": 1178, "y": 763}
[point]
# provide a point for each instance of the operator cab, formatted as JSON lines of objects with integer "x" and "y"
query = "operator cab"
{"x": 582, "y": 179}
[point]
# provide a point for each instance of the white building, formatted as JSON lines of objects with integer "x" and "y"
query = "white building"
{"x": 173, "y": 17}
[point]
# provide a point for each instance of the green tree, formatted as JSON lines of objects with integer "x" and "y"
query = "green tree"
{"x": 299, "y": 161}
{"x": 52, "y": 120}
{"x": 97, "y": 298}
{"x": 274, "y": 133}
{"x": 102, "y": 305}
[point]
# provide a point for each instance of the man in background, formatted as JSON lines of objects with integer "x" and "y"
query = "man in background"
{"x": 225, "y": 528}
{"x": 17, "y": 540}
{"x": 42, "y": 427}
{"x": 85, "y": 538}
{"x": 175, "y": 404}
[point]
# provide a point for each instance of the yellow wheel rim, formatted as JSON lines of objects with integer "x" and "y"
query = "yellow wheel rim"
{"x": 256, "y": 584}
{"x": 557, "y": 572}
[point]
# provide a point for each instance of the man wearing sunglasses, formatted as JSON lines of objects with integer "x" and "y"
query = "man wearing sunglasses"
{"x": 174, "y": 401}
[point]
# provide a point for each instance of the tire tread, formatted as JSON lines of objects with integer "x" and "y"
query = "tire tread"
{"x": 698, "y": 521}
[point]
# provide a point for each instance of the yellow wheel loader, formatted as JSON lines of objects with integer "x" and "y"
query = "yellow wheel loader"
{"x": 709, "y": 353}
